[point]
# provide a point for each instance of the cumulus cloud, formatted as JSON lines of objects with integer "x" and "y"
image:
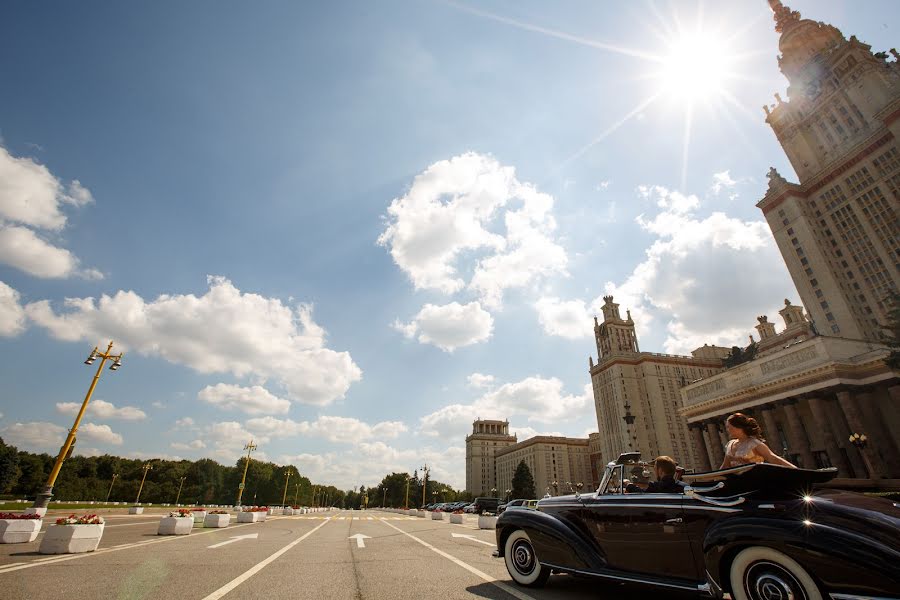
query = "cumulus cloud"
{"x": 449, "y": 326}
{"x": 479, "y": 380}
{"x": 12, "y": 314}
{"x": 34, "y": 436}
{"x": 722, "y": 181}
{"x": 333, "y": 429}
{"x": 103, "y": 410}
{"x": 704, "y": 276}
{"x": 535, "y": 399}
{"x": 525, "y": 433}
{"x": 471, "y": 214}
{"x": 223, "y": 331}
{"x": 194, "y": 445}
{"x": 564, "y": 318}
{"x": 99, "y": 433}
{"x": 227, "y": 438}
{"x": 31, "y": 198}
{"x": 254, "y": 400}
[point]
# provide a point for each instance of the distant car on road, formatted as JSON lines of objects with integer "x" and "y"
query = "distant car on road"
{"x": 519, "y": 502}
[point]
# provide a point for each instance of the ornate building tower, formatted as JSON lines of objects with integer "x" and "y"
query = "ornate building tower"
{"x": 486, "y": 439}
{"x": 839, "y": 228}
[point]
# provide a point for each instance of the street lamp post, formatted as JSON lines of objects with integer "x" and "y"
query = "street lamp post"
{"x": 115, "y": 475}
{"x": 180, "y": 485}
{"x": 424, "y": 482}
{"x": 508, "y": 492}
{"x": 286, "y": 479}
{"x": 296, "y": 492}
{"x": 146, "y": 467}
{"x": 406, "y": 505}
{"x": 250, "y": 447}
{"x": 384, "y": 498}
{"x": 43, "y": 499}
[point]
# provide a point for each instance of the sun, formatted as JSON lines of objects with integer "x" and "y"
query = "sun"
{"x": 694, "y": 66}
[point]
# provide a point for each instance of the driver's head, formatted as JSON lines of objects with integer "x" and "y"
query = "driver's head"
{"x": 665, "y": 465}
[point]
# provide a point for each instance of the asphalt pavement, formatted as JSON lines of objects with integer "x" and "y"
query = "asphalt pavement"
{"x": 346, "y": 555}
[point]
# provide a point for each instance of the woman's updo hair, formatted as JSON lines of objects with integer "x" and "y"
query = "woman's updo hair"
{"x": 746, "y": 424}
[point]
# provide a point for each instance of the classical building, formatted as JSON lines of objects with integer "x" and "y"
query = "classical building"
{"x": 486, "y": 439}
{"x": 565, "y": 461}
{"x": 838, "y": 229}
{"x": 636, "y": 394}
{"x": 595, "y": 451}
{"x": 810, "y": 393}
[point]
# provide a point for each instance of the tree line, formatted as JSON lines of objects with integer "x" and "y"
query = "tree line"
{"x": 85, "y": 478}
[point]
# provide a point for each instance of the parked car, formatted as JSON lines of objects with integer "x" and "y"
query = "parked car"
{"x": 754, "y": 531}
{"x": 486, "y": 505}
{"x": 469, "y": 508}
{"x": 511, "y": 504}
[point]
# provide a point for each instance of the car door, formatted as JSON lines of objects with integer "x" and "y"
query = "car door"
{"x": 642, "y": 535}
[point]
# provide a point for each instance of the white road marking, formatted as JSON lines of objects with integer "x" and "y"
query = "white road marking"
{"x": 261, "y": 565}
{"x": 237, "y": 538}
{"x": 508, "y": 589}
{"x": 359, "y": 537}
{"x": 55, "y": 559}
{"x": 473, "y": 538}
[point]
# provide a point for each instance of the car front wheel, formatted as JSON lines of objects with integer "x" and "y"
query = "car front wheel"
{"x": 522, "y": 562}
{"x": 759, "y": 573}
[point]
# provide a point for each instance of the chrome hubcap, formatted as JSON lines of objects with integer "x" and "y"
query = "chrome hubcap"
{"x": 523, "y": 557}
{"x": 769, "y": 581}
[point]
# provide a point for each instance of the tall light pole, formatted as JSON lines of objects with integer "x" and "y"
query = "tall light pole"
{"x": 115, "y": 475}
{"x": 43, "y": 499}
{"x": 286, "y": 479}
{"x": 406, "y": 505}
{"x": 384, "y": 497}
{"x": 424, "y": 482}
{"x": 250, "y": 447}
{"x": 146, "y": 467}
{"x": 296, "y": 492}
{"x": 179, "y": 490}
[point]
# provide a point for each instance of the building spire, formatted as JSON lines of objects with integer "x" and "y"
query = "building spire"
{"x": 783, "y": 15}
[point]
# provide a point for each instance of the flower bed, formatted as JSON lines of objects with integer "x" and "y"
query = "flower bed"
{"x": 456, "y": 518}
{"x": 217, "y": 518}
{"x": 252, "y": 515}
{"x": 437, "y": 515}
{"x": 199, "y": 515}
{"x": 17, "y": 528}
{"x": 487, "y": 522}
{"x": 136, "y": 510}
{"x": 73, "y": 535}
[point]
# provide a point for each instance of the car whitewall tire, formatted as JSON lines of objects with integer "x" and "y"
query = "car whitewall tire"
{"x": 760, "y": 573}
{"x": 522, "y": 562}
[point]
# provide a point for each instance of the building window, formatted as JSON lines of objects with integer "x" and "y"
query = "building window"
{"x": 829, "y": 316}
{"x": 809, "y": 271}
{"x": 824, "y": 304}
{"x": 818, "y": 293}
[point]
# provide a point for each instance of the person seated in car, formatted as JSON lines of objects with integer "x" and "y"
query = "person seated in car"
{"x": 665, "y": 479}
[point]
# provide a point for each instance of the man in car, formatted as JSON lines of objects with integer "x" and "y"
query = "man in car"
{"x": 665, "y": 483}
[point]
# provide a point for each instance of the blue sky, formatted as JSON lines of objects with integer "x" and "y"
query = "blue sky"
{"x": 348, "y": 229}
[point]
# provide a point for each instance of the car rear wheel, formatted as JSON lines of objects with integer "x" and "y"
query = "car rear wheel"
{"x": 760, "y": 573}
{"x": 522, "y": 562}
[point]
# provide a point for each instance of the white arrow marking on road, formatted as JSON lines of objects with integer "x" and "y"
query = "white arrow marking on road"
{"x": 471, "y": 537}
{"x": 359, "y": 537}
{"x": 237, "y": 538}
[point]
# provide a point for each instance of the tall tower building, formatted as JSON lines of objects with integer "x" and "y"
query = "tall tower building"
{"x": 637, "y": 394}
{"x": 486, "y": 439}
{"x": 838, "y": 229}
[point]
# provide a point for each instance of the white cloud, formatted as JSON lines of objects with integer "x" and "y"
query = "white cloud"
{"x": 479, "y": 380}
{"x": 525, "y": 433}
{"x": 194, "y": 445}
{"x": 87, "y": 451}
{"x": 333, "y": 429}
{"x": 222, "y": 331}
{"x": 703, "y": 276}
{"x": 722, "y": 181}
{"x": 449, "y": 326}
{"x": 12, "y": 315}
{"x": 453, "y": 214}
{"x": 31, "y": 198}
{"x": 185, "y": 423}
{"x": 35, "y": 436}
{"x": 103, "y": 410}
{"x": 534, "y": 399}
{"x": 603, "y": 185}
{"x": 564, "y": 318}
{"x": 99, "y": 433}
{"x": 228, "y": 438}
{"x": 255, "y": 400}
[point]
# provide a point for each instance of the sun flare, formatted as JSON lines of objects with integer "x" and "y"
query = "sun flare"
{"x": 694, "y": 67}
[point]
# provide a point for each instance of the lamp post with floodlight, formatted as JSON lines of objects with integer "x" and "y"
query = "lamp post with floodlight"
{"x": 43, "y": 499}
{"x": 250, "y": 447}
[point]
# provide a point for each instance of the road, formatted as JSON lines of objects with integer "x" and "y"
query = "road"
{"x": 320, "y": 556}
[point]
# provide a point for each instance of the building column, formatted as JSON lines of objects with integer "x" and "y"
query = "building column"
{"x": 700, "y": 446}
{"x": 716, "y": 448}
{"x": 708, "y": 446}
{"x": 885, "y": 448}
{"x": 770, "y": 429}
{"x": 817, "y": 407}
{"x": 854, "y": 420}
{"x": 799, "y": 442}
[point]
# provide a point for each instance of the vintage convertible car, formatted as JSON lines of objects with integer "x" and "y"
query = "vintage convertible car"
{"x": 758, "y": 532}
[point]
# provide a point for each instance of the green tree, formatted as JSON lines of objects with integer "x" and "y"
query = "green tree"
{"x": 9, "y": 467}
{"x": 523, "y": 482}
